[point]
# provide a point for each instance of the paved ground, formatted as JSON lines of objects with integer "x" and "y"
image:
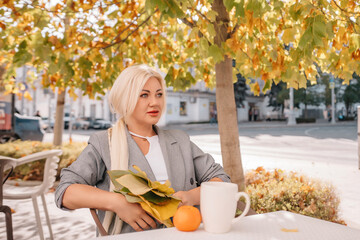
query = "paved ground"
{"x": 323, "y": 151}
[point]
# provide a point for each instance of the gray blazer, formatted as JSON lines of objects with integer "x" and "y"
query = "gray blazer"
{"x": 187, "y": 166}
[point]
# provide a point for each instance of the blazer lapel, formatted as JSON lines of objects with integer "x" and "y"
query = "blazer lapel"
{"x": 136, "y": 157}
{"x": 173, "y": 159}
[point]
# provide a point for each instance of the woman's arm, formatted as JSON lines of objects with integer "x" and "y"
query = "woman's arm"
{"x": 85, "y": 196}
{"x": 192, "y": 197}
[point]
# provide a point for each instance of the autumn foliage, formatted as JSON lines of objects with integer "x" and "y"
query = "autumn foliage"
{"x": 277, "y": 190}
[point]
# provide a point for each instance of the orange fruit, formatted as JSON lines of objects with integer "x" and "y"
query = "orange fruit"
{"x": 187, "y": 218}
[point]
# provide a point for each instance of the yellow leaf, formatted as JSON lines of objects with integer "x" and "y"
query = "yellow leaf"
{"x": 162, "y": 212}
{"x": 289, "y": 35}
{"x": 255, "y": 88}
{"x": 164, "y": 188}
{"x": 136, "y": 185}
{"x": 27, "y": 96}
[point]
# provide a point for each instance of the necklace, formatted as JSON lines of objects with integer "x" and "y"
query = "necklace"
{"x": 139, "y": 136}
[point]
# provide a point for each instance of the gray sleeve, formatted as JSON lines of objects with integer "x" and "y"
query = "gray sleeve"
{"x": 205, "y": 166}
{"x": 88, "y": 169}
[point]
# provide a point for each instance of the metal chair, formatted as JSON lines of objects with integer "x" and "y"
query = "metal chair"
{"x": 5, "y": 164}
{"x": 23, "y": 191}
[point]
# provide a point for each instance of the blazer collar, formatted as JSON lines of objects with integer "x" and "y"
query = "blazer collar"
{"x": 136, "y": 157}
{"x": 172, "y": 156}
{"x": 173, "y": 159}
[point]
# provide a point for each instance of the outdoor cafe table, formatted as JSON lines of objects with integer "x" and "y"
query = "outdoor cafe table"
{"x": 280, "y": 225}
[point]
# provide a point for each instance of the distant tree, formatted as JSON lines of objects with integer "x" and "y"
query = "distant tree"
{"x": 240, "y": 90}
{"x": 277, "y": 95}
{"x": 351, "y": 94}
{"x": 308, "y": 96}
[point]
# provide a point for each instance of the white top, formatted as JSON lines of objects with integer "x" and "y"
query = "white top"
{"x": 155, "y": 158}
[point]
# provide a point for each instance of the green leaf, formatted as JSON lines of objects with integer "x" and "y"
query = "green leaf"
{"x": 278, "y": 5}
{"x": 84, "y": 63}
{"x": 204, "y": 46}
{"x": 229, "y": 4}
{"x": 267, "y": 85}
{"x": 172, "y": 9}
{"x": 215, "y": 53}
{"x": 240, "y": 10}
{"x": 22, "y": 57}
{"x": 319, "y": 29}
{"x": 329, "y": 29}
{"x": 211, "y": 15}
{"x": 23, "y": 45}
{"x": 155, "y": 198}
{"x": 318, "y": 41}
{"x": 305, "y": 39}
{"x": 211, "y": 29}
{"x": 295, "y": 11}
{"x": 194, "y": 32}
{"x": 169, "y": 76}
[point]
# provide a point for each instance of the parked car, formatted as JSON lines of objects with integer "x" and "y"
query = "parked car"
{"x": 67, "y": 120}
{"x": 81, "y": 123}
{"x": 28, "y": 128}
{"x": 15, "y": 126}
{"x": 101, "y": 124}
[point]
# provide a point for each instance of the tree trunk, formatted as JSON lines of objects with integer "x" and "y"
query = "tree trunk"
{"x": 228, "y": 126}
{"x": 225, "y": 100}
{"x": 59, "y": 119}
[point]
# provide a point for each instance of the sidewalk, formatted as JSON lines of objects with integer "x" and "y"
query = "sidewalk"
{"x": 330, "y": 160}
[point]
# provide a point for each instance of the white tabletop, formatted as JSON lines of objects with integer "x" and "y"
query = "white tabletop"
{"x": 269, "y": 226}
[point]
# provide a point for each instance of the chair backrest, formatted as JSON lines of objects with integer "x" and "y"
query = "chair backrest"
{"x": 5, "y": 164}
{"x": 50, "y": 169}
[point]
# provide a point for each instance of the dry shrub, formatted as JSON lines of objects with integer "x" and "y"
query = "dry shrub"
{"x": 277, "y": 190}
{"x": 34, "y": 170}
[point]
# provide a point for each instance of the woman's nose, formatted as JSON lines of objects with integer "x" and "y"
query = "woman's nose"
{"x": 154, "y": 101}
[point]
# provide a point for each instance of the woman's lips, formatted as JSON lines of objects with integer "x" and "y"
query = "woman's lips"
{"x": 153, "y": 113}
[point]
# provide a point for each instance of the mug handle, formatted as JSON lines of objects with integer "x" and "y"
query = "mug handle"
{"x": 247, "y": 207}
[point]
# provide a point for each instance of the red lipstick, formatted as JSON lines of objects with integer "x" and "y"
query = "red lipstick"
{"x": 154, "y": 113}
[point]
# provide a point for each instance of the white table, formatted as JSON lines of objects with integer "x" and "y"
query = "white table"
{"x": 262, "y": 226}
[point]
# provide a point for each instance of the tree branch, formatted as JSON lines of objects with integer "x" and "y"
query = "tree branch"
{"x": 344, "y": 10}
{"x": 230, "y": 34}
{"x": 123, "y": 40}
{"x": 201, "y": 14}
{"x": 132, "y": 23}
{"x": 192, "y": 25}
{"x": 73, "y": 11}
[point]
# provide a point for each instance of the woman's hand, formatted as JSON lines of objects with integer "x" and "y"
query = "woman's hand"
{"x": 133, "y": 214}
{"x": 190, "y": 198}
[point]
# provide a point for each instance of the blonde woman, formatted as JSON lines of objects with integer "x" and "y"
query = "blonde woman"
{"x": 138, "y": 98}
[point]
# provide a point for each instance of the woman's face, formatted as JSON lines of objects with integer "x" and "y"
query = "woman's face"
{"x": 150, "y": 103}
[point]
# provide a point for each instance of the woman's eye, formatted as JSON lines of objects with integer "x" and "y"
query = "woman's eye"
{"x": 145, "y": 95}
{"x": 159, "y": 94}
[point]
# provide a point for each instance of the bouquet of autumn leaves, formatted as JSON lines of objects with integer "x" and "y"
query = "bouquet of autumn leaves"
{"x": 154, "y": 197}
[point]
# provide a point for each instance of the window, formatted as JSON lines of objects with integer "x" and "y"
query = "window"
{"x": 183, "y": 111}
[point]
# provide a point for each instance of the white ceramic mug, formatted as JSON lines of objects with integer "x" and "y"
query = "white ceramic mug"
{"x": 218, "y": 201}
